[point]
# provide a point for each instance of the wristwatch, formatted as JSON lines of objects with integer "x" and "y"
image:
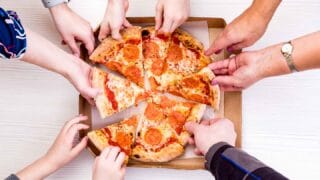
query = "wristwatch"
{"x": 51, "y": 3}
{"x": 286, "y": 51}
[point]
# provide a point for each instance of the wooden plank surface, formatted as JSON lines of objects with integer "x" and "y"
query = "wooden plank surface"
{"x": 280, "y": 115}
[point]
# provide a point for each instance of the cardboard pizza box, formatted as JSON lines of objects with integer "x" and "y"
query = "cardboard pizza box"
{"x": 230, "y": 105}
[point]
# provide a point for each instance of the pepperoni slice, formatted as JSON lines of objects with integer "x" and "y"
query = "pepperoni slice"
{"x": 113, "y": 65}
{"x": 133, "y": 41}
{"x": 157, "y": 66}
{"x": 150, "y": 49}
{"x": 166, "y": 102}
{"x": 134, "y": 74}
{"x": 130, "y": 52}
{"x": 198, "y": 98}
{"x": 177, "y": 121}
{"x": 153, "y": 112}
{"x": 132, "y": 121}
{"x": 174, "y": 53}
{"x": 190, "y": 82}
{"x": 123, "y": 139}
{"x": 153, "y": 136}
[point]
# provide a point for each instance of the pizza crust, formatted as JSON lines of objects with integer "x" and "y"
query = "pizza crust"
{"x": 98, "y": 139}
{"x": 165, "y": 154}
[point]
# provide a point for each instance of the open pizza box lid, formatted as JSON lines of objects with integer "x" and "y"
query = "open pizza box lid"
{"x": 230, "y": 104}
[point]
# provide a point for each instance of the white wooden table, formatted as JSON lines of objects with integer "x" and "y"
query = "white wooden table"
{"x": 281, "y": 116}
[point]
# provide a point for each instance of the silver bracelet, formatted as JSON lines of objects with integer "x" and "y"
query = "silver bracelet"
{"x": 51, "y": 3}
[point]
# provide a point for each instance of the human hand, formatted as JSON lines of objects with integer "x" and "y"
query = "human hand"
{"x": 72, "y": 28}
{"x": 242, "y": 32}
{"x": 240, "y": 71}
{"x": 210, "y": 132}
{"x": 63, "y": 149}
{"x": 114, "y": 19}
{"x": 80, "y": 76}
{"x": 109, "y": 164}
{"x": 171, "y": 14}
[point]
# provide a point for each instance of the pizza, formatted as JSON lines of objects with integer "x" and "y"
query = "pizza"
{"x": 117, "y": 93}
{"x": 121, "y": 134}
{"x": 156, "y": 136}
{"x": 197, "y": 87}
{"x": 152, "y": 64}
{"x": 161, "y": 135}
{"x": 123, "y": 56}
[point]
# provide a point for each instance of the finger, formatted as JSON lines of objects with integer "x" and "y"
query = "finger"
{"x": 90, "y": 92}
{"x": 104, "y": 31}
{"x": 79, "y": 147}
{"x": 104, "y": 154}
{"x": 73, "y": 121}
{"x": 127, "y": 24}
{"x": 90, "y": 101}
{"x": 174, "y": 26}
{"x": 225, "y": 81}
{"x": 222, "y": 64}
{"x": 113, "y": 154}
{"x": 236, "y": 47}
{"x": 221, "y": 71}
{"x": 230, "y": 88}
{"x": 191, "y": 141}
{"x": 159, "y": 16}
{"x": 221, "y": 42}
{"x": 205, "y": 122}
{"x": 212, "y": 121}
{"x": 88, "y": 42}
{"x": 74, "y": 130}
{"x": 115, "y": 33}
{"x": 191, "y": 127}
{"x": 120, "y": 159}
{"x": 73, "y": 46}
{"x": 123, "y": 170}
{"x": 166, "y": 26}
{"x": 197, "y": 151}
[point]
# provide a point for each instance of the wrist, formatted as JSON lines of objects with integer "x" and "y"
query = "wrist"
{"x": 60, "y": 8}
{"x": 272, "y": 62}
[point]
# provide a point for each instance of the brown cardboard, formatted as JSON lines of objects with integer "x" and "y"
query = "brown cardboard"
{"x": 231, "y": 103}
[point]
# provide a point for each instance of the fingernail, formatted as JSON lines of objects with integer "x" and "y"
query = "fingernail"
{"x": 230, "y": 49}
{"x": 214, "y": 82}
{"x": 218, "y": 51}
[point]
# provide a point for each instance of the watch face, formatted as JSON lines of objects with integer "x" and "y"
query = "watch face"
{"x": 287, "y": 48}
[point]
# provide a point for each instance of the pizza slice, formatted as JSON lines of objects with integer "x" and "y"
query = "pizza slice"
{"x": 161, "y": 136}
{"x": 117, "y": 93}
{"x": 154, "y": 47}
{"x": 197, "y": 87}
{"x": 123, "y": 56}
{"x": 121, "y": 134}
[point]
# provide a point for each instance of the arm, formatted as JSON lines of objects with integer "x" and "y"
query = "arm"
{"x": 247, "y": 28}
{"x": 170, "y": 14}
{"x": 243, "y": 70}
{"x": 43, "y": 53}
{"x": 215, "y": 139}
{"x": 60, "y": 153}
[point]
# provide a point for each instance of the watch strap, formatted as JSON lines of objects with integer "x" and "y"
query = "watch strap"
{"x": 289, "y": 59}
{"x": 51, "y": 3}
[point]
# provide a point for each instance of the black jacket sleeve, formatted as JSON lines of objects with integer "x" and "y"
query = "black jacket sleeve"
{"x": 227, "y": 162}
{"x": 12, "y": 177}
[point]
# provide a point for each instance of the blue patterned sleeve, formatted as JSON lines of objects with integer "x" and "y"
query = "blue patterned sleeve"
{"x": 13, "y": 41}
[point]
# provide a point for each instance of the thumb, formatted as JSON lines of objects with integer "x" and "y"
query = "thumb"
{"x": 191, "y": 127}
{"x": 159, "y": 13}
{"x": 79, "y": 147}
{"x": 220, "y": 43}
{"x": 91, "y": 92}
{"x": 225, "y": 81}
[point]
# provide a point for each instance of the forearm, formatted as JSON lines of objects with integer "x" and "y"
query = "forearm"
{"x": 43, "y": 53}
{"x": 265, "y": 8}
{"x": 39, "y": 169}
{"x": 227, "y": 162}
{"x": 306, "y": 55}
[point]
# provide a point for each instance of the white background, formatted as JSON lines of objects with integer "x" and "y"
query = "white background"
{"x": 281, "y": 123}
